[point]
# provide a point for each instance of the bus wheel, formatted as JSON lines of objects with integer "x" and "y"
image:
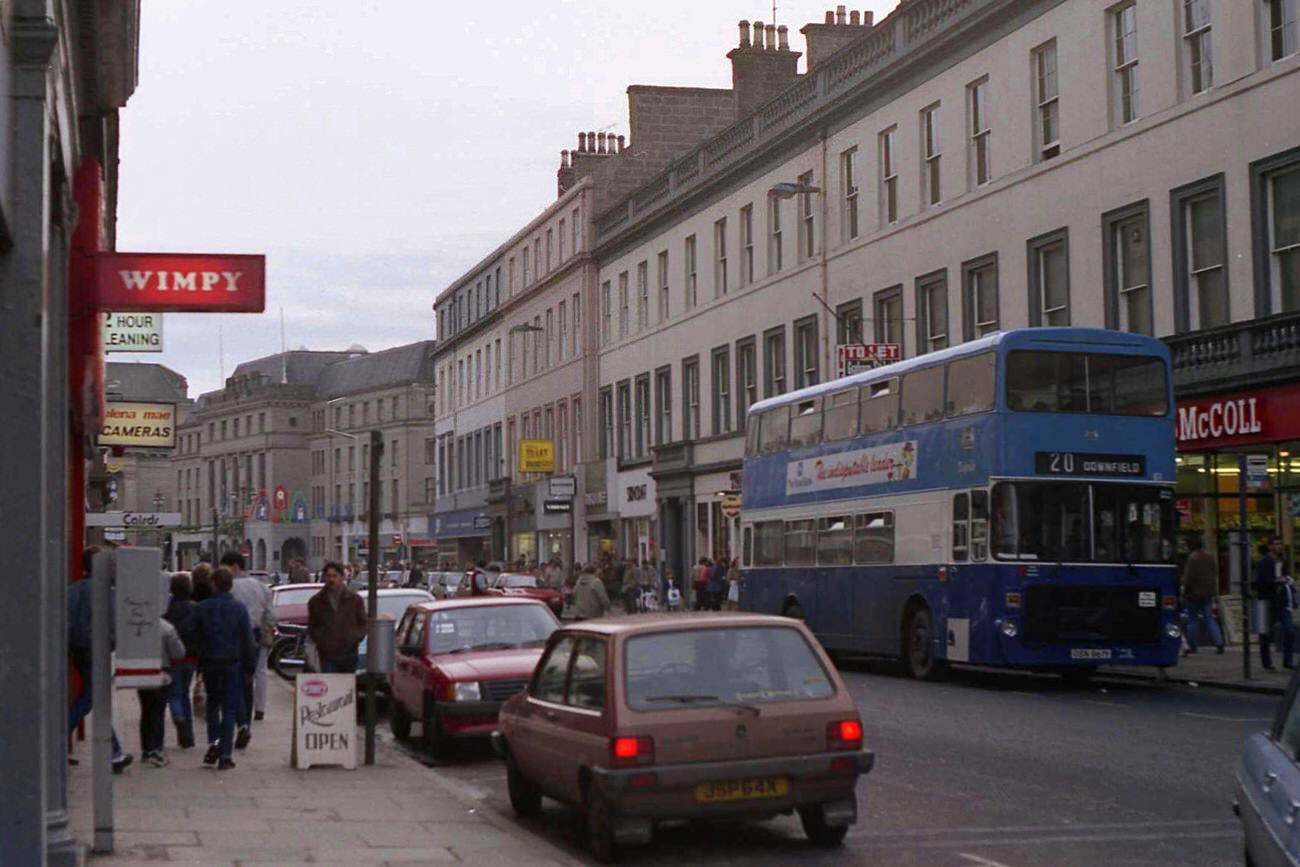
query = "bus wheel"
{"x": 918, "y": 646}
{"x": 793, "y": 610}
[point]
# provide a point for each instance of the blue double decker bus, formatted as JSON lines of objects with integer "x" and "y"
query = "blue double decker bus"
{"x": 1005, "y": 502}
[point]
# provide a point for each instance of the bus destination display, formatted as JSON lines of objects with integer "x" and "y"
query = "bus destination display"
{"x": 1087, "y": 464}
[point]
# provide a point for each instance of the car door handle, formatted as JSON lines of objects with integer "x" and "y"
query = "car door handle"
{"x": 550, "y": 716}
{"x": 1269, "y": 779}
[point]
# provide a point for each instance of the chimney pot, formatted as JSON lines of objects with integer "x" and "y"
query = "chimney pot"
{"x": 868, "y": 17}
{"x": 855, "y": 18}
{"x": 744, "y": 34}
{"x": 783, "y": 33}
{"x": 582, "y": 142}
{"x": 771, "y": 37}
{"x": 830, "y": 17}
{"x": 591, "y": 142}
{"x": 622, "y": 144}
{"x": 840, "y": 14}
{"x": 758, "y": 34}
{"x": 564, "y": 159}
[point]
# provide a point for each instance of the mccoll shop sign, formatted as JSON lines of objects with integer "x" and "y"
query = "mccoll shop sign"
{"x": 1267, "y": 415}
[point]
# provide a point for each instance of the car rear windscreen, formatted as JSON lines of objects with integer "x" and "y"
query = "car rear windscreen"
{"x": 719, "y": 666}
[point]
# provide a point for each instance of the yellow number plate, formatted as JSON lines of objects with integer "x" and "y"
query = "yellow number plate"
{"x": 740, "y": 790}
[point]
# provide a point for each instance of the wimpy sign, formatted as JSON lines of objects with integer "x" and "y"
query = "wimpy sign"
{"x": 324, "y": 720}
{"x": 180, "y": 282}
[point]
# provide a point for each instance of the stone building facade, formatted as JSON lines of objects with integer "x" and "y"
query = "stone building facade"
{"x": 959, "y": 167}
{"x": 275, "y": 464}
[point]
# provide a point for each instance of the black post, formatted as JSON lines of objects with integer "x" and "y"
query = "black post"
{"x": 1243, "y": 539}
{"x": 372, "y": 603}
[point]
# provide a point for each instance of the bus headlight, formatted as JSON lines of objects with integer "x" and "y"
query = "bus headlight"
{"x": 1009, "y": 629}
{"x": 1172, "y": 630}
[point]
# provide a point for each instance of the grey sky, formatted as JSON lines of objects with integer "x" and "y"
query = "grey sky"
{"x": 374, "y": 156}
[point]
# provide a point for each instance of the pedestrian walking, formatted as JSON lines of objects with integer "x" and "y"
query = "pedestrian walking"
{"x": 1200, "y": 586}
{"x": 227, "y": 656}
{"x": 590, "y": 598}
{"x": 200, "y": 589}
{"x": 1276, "y": 589}
{"x": 336, "y": 622}
{"x": 631, "y": 591}
{"x": 699, "y": 578}
{"x": 181, "y": 613}
{"x": 79, "y": 655}
{"x": 733, "y": 584}
{"x": 153, "y": 702}
{"x": 256, "y": 598}
{"x": 715, "y": 584}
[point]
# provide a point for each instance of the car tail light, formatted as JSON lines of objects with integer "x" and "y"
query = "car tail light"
{"x": 643, "y": 781}
{"x": 1013, "y": 599}
{"x": 1170, "y": 602}
{"x": 632, "y": 751}
{"x": 846, "y": 734}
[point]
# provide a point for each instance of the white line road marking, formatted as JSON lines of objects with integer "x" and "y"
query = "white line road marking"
{"x": 983, "y": 862}
{"x": 1250, "y": 719}
{"x": 1106, "y": 703}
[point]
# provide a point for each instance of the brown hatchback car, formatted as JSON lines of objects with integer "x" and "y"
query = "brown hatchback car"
{"x": 669, "y": 716}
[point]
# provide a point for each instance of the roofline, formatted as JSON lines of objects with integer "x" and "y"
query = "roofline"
{"x": 486, "y": 261}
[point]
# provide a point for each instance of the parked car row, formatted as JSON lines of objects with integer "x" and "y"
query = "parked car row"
{"x": 639, "y": 719}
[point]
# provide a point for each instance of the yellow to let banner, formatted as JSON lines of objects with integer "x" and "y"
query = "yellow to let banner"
{"x": 536, "y": 456}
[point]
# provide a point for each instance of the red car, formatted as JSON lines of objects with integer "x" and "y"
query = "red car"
{"x": 289, "y": 602}
{"x": 514, "y": 584}
{"x": 459, "y": 659}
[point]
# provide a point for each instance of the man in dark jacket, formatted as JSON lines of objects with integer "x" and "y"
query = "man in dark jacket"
{"x": 1274, "y": 586}
{"x": 79, "y": 620}
{"x": 182, "y": 613}
{"x": 227, "y": 655}
{"x": 1200, "y": 586}
{"x": 336, "y": 622}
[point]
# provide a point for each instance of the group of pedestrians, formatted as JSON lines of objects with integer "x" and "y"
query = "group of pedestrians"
{"x": 217, "y": 624}
{"x": 1275, "y": 596}
{"x": 716, "y": 581}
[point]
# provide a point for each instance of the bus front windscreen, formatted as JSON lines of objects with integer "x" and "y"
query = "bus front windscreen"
{"x": 1083, "y": 522}
{"x": 1088, "y": 383}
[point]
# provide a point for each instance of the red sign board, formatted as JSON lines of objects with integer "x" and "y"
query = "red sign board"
{"x": 857, "y": 357}
{"x": 180, "y": 282}
{"x": 1243, "y": 418}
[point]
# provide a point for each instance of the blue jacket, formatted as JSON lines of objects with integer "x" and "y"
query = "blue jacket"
{"x": 79, "y": 614}
{"x": 224, "y": 633}
{"x": 717, "y": 580}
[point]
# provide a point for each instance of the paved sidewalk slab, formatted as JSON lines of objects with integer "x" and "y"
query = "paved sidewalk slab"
{"x": 1211, "y": 669}
{"x": 263, "y": 812}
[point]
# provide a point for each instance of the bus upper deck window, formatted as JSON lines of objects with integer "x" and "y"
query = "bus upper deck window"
{"x": 841, "y": 415}
{"x": 806, "y": 423}
{"x": 879, "y": 411}
{"x": 923, "y": 395}
{"x": 774, "y": 429}
{"x": 970, "y": 384}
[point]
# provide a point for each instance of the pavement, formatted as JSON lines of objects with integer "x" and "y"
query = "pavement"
{"x": 264, "y": 812}
{"x": 1210, "y": 669}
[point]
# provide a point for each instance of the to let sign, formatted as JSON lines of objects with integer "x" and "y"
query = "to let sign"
{"x": 180, "y": 282}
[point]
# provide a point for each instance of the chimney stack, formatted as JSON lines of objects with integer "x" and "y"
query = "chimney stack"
{"x": 841, "y": 28}
{"x": 564, "y": 178}
{"x": 761, "y": 67}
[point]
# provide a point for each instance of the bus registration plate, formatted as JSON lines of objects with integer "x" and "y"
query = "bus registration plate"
{"x": 713, "y": 791}
{"x": 1090, "y": 653}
